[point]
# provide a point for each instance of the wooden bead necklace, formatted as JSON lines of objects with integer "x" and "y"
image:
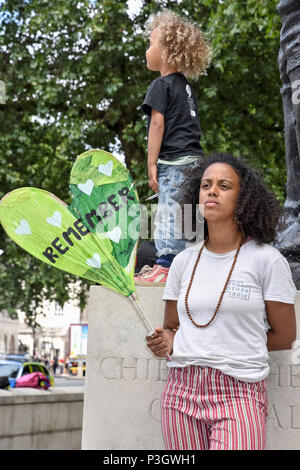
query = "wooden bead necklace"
{"x": 222, "y": 293}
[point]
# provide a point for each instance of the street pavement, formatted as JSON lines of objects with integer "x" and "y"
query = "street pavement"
{"x": 68, "y": 381}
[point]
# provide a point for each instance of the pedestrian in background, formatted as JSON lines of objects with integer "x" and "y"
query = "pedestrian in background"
{"x": 55, "y": 364}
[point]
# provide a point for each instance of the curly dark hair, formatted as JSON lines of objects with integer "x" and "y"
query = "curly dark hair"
{"x": 257, "y": 210}
{"x": 182, "y": 42}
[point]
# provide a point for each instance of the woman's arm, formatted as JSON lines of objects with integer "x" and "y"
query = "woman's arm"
{"x": 155, "y": 136}
{"x": 282, "y": 320}
{"x": 161, "y": 343}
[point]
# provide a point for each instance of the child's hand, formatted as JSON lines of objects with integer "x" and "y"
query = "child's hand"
{"x": 152, "y": 173}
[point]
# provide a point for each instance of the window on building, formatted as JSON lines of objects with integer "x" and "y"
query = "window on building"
{"x": 58, "y": 312}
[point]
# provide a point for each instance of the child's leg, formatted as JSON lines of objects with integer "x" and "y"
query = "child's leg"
{"x": 168, "y": 229}
{"x": 166, "y": 244}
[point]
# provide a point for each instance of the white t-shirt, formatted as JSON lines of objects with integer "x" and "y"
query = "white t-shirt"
{"x": 235, "y": 342}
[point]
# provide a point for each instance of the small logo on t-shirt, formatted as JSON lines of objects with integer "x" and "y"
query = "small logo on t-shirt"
{"x": 237, "y": 290}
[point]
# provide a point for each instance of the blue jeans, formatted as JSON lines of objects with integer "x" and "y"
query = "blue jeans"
{"x": 167, "y": 226}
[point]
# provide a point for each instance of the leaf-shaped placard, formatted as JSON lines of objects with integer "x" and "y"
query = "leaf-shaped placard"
{"x": 71, "y": 238}
{"x": 105, "y": 198}
{"x": 96, "y": 237}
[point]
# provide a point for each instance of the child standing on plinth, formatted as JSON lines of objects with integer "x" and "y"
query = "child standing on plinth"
{"x": 178, "y": 49}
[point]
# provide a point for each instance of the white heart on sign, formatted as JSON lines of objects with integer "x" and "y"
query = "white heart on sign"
{"x": 86, "y": 187}
{"x": 23, "y": 228}
{"x": 115, "y": 234}
{"x": 95, "y": 261}
{"x": 106, "y": 169}
{"x": 55, "y": 219}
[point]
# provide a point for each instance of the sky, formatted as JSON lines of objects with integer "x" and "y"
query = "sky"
{"x": 134, "y": 7}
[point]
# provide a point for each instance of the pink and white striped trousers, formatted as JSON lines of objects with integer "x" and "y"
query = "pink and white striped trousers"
{"x": 202, "y": 408}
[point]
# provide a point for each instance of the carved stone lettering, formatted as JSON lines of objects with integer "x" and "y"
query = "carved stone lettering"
{"x": 133, "y": 369}
{"x": 110, "y": 368}
{"x": 284, "y": 376}
{"x": 154, "y": 410}
{"x": 273, "y": 417}
{"x": 277, "y": 375}
{"x": 163, "y": 371}
{"x": 284, "y": 416}
{"x": 294, "y": 376}
{"x": 129, "y": 368}
{"x": 294, "y": 416}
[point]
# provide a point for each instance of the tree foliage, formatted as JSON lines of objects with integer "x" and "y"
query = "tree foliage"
{"x": 75, "y": 75}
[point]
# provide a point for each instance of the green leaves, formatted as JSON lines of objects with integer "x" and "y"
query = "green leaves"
{"x": 76, "y": 76}
{"x": 240, "y": 96}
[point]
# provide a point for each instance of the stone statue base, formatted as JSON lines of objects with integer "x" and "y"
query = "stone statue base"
{"x": 124, "y": 381}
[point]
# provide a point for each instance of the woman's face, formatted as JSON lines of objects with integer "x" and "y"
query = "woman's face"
{"x": 219, "y": 190}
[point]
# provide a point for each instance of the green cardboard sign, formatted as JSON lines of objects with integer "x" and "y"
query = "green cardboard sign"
{"x": 95, "y": 237}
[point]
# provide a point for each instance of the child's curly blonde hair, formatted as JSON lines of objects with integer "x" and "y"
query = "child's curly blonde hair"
{"x": 183, "y": 43}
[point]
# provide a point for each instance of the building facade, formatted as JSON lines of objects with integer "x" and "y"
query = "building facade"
{"x": 51, "y": 337}
{"x": 9, "y": 330}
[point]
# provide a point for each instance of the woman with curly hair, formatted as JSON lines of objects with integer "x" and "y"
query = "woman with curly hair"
{"x": 229, "y": 300}
{"x": 178, "y": 49}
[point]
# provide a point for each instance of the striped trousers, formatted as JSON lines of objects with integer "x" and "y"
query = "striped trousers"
{"x": 202, "y": 408}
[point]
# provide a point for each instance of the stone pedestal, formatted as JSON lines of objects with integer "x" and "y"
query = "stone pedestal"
{"x": 124, "y": 381}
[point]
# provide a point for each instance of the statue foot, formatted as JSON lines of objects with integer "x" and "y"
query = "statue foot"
{"x": 288, "y": 231}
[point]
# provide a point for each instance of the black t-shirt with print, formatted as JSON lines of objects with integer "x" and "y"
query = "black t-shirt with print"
{"x": 172, "y": 96}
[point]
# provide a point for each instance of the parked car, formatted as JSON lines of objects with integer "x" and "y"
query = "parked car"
{"x": 15, "y": 357}
{"x": 11, "y": 370}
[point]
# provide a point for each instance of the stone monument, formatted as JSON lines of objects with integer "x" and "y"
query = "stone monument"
{"x": 288, "y": 234}
{"x": 124, "y": 381}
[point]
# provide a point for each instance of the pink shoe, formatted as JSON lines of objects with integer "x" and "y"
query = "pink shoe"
{"x": 152, "y": 276}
